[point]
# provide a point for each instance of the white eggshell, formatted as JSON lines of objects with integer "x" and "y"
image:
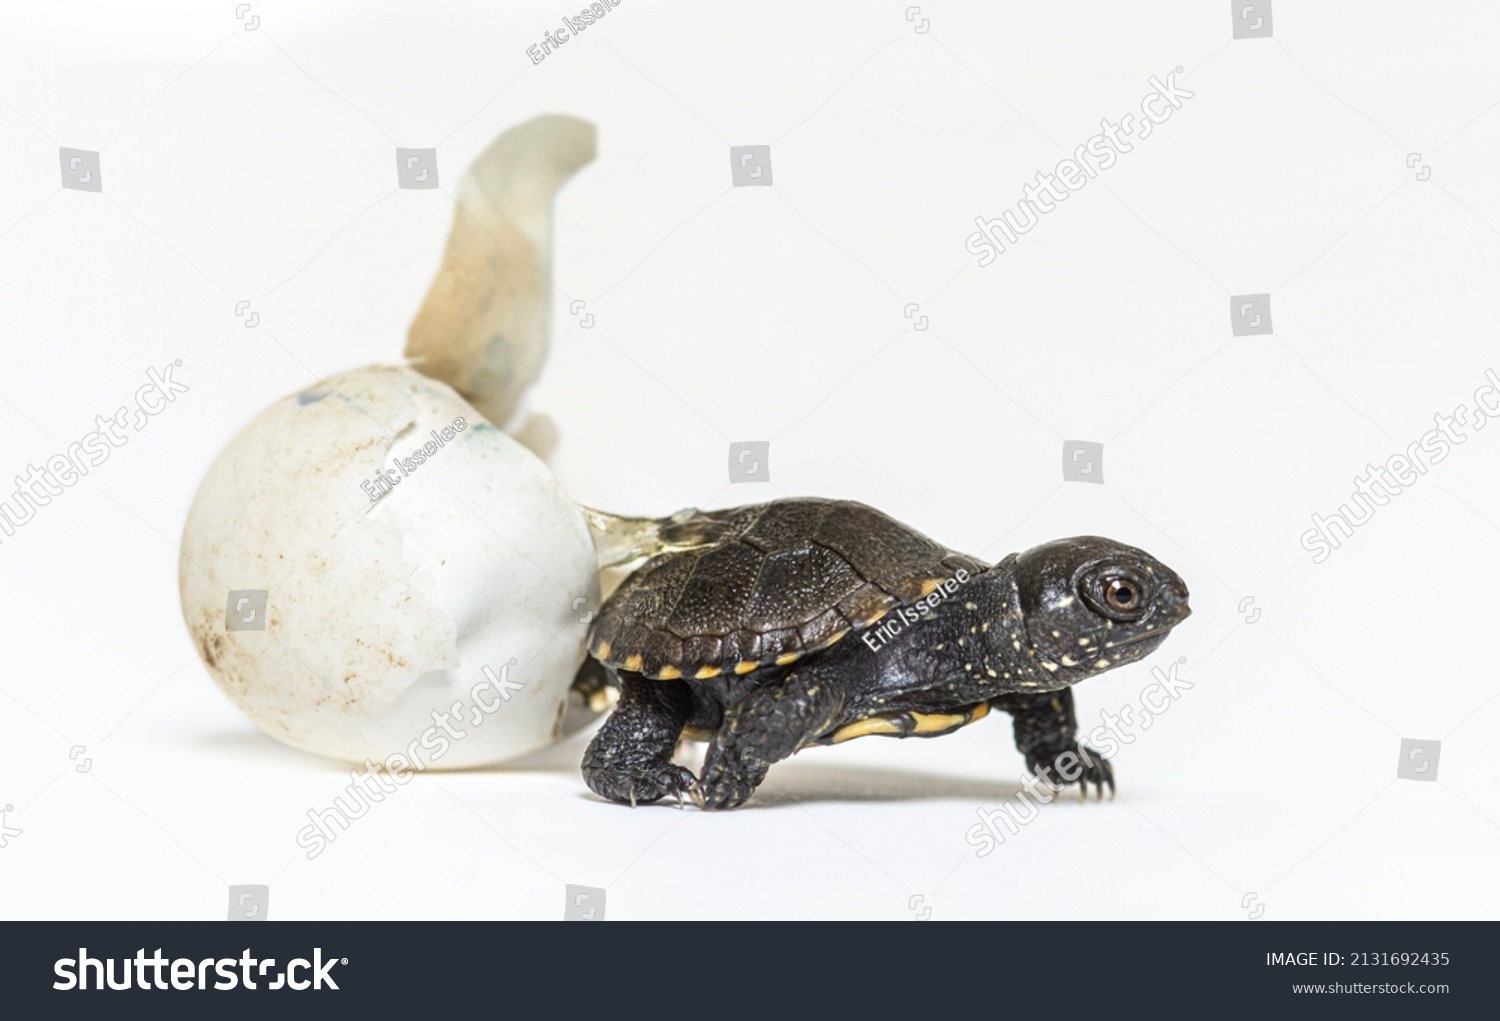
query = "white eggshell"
{"x": 382, "y": 614}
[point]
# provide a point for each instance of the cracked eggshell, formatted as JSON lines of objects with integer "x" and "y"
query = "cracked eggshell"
{"x": 380, "y": 614}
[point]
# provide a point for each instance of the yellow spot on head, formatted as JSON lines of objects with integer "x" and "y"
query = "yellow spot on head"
{"x": 1101, "y": 664}
{"x": 1049, "y": 666}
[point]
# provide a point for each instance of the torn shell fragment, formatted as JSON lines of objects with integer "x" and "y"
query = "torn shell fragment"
{"x": 486, "y": 322}
{"x": 420, "y": 578}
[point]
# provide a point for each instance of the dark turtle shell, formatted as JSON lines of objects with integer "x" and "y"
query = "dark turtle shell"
{"x": 765, "y": 584}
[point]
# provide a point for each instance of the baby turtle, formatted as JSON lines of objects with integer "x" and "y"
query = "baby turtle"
{"x": 769, "y": 628}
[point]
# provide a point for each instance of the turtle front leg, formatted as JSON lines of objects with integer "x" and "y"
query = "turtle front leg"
{"x": 630, "y": 759}
{"x": 1046, "y": 731}
{"x": 768, "y": 725}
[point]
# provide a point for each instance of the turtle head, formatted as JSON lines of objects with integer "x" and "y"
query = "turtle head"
{"x": 1089, "y": 604}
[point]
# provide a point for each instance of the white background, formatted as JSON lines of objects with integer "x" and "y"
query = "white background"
{"x": 236, "y": 163}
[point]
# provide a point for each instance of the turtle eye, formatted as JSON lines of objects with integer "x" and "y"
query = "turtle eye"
{"x": 1118, "y": 595}
{"x": 1121, "y": 594}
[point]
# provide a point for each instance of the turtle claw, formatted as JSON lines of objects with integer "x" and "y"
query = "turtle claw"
{"x": 1093, "y": 769}
{"x": 1101, "y": 775}
{"x": 696, "y": 793}
{"x": 640, "y": 787}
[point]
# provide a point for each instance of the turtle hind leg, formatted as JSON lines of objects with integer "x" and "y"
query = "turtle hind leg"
{"x": 767, "y": 725}
{"x": 1047, "y": 734}
{"x": 594, "y": 691}
{"x": 594, "y": 685}
{"x": 630, "y": 759}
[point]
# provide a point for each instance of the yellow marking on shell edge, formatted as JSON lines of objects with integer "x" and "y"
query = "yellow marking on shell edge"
{"x": 837, "y": 636}
{"x": 941, "y": 721}
{"x": 926, "y": 724}
{"x": 788, "y": 657}
{"x": 669, "y": 673}
{"x": 864, "y": 728}
{"x": 602, "y": 651}
{"x": 930, "y": 586}
{"x": 745, "y": 666}
{"x": 632, "y": 664}
{"x": 706, "y": 672}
